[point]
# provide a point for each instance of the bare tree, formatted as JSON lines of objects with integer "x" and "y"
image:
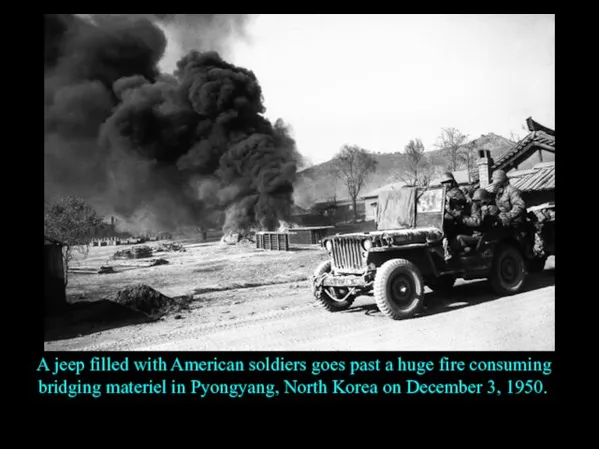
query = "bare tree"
{"x": 517, "y": 137}
{"x": 353, "y": 167}
{"x": 514, "y": 137}
{"x": 451, "y": 142}
{"x": 72, "y": 221}
{"x": 416, "y": 169}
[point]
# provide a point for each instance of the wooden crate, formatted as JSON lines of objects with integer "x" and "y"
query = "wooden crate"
{"x": 272, "y": 241}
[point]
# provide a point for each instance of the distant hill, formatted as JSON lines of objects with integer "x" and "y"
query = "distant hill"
{"x": 318, "y": 183}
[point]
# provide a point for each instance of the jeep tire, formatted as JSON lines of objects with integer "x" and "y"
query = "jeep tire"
{"x": 399, "y": 289}
{"x": 508, "y": 271}
{"x": 328, "y": 303}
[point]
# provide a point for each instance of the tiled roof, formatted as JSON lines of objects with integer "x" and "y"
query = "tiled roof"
{"x": 541, "y": 177}
{"x": 539, "y": 137}
{"x": 524, "y": 148}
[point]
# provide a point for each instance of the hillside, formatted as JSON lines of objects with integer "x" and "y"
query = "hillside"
{"x": 318, "y": 183}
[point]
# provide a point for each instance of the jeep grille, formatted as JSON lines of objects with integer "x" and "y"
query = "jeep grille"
{"x": 347, "y": 255}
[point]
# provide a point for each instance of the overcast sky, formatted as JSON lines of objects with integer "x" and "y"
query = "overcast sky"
{"x": 380, "y": 80}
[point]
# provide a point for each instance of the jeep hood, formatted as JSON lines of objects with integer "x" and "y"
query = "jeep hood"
{"x": 412, "y": 235}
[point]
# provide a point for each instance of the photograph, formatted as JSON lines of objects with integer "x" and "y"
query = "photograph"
{"x": 299, "y": 182}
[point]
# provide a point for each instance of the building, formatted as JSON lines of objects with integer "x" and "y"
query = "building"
{"x": 54, "y": 280}
{"x": 537, "y": 184}
{"x": 530, "y": 165}
{"x": 370, "y": 200}
{"x": 340, "y": 210}
{"x": 536, "y": 147}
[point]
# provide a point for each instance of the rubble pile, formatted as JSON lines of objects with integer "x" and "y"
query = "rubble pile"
{"x": 144, "y": 298}
{"x": 106, "y": 270}
{"x": 158, "y": 262}
{"x": 136, "y": 252}
{"x": 168, "y": 247}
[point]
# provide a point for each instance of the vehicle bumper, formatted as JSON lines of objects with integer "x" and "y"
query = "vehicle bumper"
{"x": 343, "y": 281}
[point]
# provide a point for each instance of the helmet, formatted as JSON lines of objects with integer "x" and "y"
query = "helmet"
{"x": 499, "y": 176}
{"x": 481, "y": 195}
{"x": 447, "y": 177}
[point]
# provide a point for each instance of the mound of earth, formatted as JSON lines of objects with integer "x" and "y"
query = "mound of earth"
{"x": 137, "y": 252}
{"x": 145, "y": 299}
{"x": 168, "y": 247}
{"x": 159, "y": 262}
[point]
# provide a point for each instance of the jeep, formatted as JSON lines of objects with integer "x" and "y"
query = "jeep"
{"x": 408, "y": 251}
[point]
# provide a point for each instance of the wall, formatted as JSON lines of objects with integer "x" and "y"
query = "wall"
{"x": 313, "y": 220}
{"x": 54, "y": 288}
{"x": 370, "y": 206}
{"x": 345, "y": 212}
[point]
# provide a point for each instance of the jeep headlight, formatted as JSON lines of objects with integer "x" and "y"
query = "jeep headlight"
{"x": 366, "y": 244}
{"x": 328, "y": 245}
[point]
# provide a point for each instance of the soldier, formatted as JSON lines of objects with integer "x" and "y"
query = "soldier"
{"x": 484, "y": 215}
{"x": 455, "y": 200}
{"x": 512, "y": 209}
{"x": 455, "y": 203}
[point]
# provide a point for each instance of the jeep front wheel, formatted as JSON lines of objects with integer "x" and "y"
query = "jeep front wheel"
{"x": 399, "y": 289}
{"x": 508, "y": 271}
{"x": 333, "y": 299}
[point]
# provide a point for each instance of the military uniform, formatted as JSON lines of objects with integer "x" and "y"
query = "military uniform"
{"x": 482, "y": 217}
{"x": 455, "y": 202}
{"x": 512, "y": 208}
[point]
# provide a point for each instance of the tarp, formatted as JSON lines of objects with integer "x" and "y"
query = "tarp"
{"x": 396, "y": 209}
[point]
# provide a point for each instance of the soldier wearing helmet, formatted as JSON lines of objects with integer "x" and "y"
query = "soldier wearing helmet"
{"x": 483, "y": 215}
{"x": 455, "y": 200}
{"x": 512, "y": 209}
{"x": 455, "y": 203}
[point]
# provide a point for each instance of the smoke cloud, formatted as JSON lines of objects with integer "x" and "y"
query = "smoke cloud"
{"x": 158, "y": 150}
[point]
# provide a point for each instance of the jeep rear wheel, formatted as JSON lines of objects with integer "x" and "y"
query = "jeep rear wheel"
{"x": 399, "y": 289}
{"x": 333, "y": 299}
{"x": 508, "y": 271}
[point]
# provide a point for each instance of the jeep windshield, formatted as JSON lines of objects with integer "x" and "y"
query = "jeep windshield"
{"x": 430, "y": 201}
{"x": 409, "y": 207}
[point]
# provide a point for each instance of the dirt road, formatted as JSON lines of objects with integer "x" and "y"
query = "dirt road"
{"x": 284, "y": 317}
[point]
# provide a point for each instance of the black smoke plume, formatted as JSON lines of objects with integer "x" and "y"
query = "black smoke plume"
{"x": 161, "y": 151}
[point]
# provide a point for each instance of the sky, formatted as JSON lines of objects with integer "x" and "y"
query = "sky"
{"x": 378, "y": 81}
